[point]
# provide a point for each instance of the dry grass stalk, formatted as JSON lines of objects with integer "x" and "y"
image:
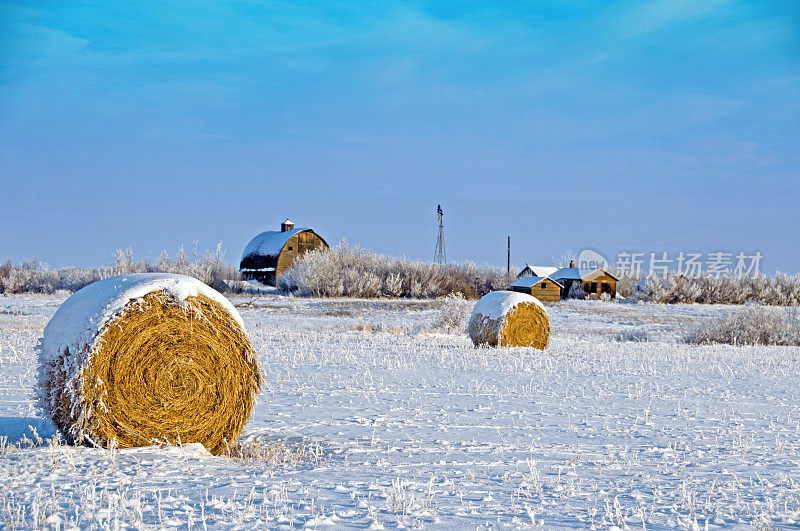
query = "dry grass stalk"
{"x": 161, "y": 372}
{"x": 262, "y": 450}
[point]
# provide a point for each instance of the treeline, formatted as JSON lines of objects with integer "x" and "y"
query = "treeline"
{"x": 354, "y": 272}
{"x": 32, "y": 276}
{"x": 777, "y": 290}
{"x": 750, "y": 325}
{"x": 346, "y": 271}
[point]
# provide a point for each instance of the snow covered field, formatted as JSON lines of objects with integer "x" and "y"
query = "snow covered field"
{"x": 385, "y": 420}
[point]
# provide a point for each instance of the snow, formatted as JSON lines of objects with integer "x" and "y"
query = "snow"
{"x": 412, "y": 426}
{"x": 269, "y": 243}
{"x": 77, "y": 322}
{"x": 496, "y": 304}
{"x": 542, "y": 271}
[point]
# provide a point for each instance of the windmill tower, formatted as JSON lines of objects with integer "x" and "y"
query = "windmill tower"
{"x": 440, "y": 257}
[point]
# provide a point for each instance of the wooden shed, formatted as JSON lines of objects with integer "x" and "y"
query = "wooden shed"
{"x": 598, "y": 282}
{"x": 271, "y": 253}
{"x": 543, "y": 288}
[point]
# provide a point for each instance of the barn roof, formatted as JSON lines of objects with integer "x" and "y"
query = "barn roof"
{"x": 269, "y": 243}
{"x": 529, "y": 282}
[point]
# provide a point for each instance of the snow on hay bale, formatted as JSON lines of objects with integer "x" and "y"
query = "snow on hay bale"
{"x": 149, "y": 358}
{"x": 509, "y": 319}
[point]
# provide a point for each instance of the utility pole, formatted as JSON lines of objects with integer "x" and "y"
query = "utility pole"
{"x": 508, "y": 264}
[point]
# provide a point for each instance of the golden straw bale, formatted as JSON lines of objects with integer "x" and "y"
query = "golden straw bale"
{"x": 509, "y": 319}
{"x": 171, "y": 365}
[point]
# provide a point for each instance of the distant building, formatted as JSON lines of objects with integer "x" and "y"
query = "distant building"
{"x": 543, "y": 288}
{"x": 595, "y": 282}
{"x": 271, "y": 253}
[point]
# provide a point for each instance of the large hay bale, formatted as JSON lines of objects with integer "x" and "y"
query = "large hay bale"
{"x": 509, "y": 319}
{"x": 145, "y": 359}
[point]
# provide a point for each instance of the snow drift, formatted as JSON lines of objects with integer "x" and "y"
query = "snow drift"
{"x": 509, "y": 319}
{"x": 148, "y": 358}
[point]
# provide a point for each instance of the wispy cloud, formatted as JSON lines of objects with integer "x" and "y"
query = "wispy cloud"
{"x": 460, "y": 94}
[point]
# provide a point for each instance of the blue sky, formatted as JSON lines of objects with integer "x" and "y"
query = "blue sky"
{"x": 649, "y": 126}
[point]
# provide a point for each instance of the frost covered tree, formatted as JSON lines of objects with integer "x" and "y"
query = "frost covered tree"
{"x": 355, "y": 272}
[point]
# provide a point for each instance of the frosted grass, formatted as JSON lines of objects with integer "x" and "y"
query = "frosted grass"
{"x": 410, "y": 425}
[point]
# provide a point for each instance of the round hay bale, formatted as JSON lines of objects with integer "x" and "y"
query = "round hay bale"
{"x": 150, "y": 358}
{"x": 509, "y": 319}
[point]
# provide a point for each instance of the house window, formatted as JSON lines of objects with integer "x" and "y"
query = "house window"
{"x": 544, "y": 285}
{"x": 290, "y": 247}
{"x": 593, "y": 287}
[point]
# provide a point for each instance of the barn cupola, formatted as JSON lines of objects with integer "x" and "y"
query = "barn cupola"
{"x": 287, "y": 225}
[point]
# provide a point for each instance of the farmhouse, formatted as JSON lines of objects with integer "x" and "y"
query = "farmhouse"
{"x": 271, "y": 253}
{"x": 543, "y": 288}
{"x": 595, "y": 282}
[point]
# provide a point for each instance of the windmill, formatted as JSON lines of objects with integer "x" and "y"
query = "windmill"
{"x": 440, "y": 257}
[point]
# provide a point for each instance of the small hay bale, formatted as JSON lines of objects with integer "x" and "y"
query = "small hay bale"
{"x": 509, "y": 319}
{"x": 150, "y": 358}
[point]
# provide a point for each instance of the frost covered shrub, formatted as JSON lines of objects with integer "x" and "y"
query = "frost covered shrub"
{"x": 626, "y": 285}
{"x": 779, "y": 290}
{"x": 317, "y": 274}
{"x": 752, "y": 325}
{"x": 576, "y": 291}
{"x": 454, "y": 313}
{"x": 638, "y": 335}
{"x": 354, "y": 272}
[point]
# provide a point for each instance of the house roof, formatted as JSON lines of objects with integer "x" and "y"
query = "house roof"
{"x": 570, "y": 273}
{"x": 529, "y": 282}
{"x": 599, "y": 273}
{"x": 269, "y": 243}
{"x": 576, "y": 273}
{"x": 541, "y": 271}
